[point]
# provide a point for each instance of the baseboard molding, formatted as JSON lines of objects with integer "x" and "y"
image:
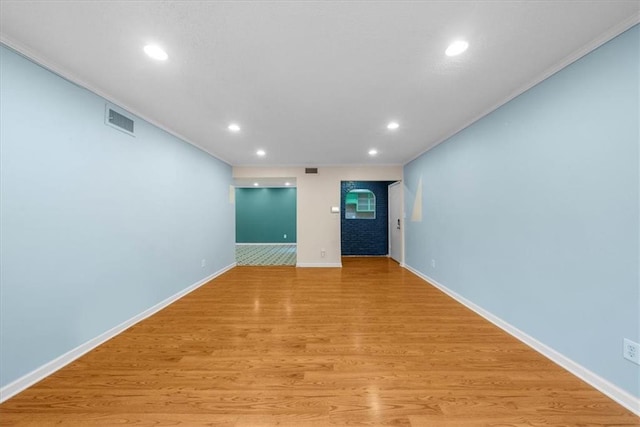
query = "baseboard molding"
{"x": 365, "y": 256}
{"x": 49, "y": 368}
{"x": 621, "y": 396}
{"x": 320, "y": 264}
{"x": 267, "y": 244}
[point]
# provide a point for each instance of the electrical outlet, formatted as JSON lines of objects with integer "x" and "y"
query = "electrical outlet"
{"x": 433, "y": 263}
{"x": 631, "y": 351}
{"x": 323, "y": 253}
{"x": 203, "y": 263}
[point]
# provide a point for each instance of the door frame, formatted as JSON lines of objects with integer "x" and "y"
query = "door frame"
{"x": 393, "y": 219}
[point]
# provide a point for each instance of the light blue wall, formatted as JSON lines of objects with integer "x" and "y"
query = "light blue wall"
{"x": 532, "y": 212}
{"x": 96, "y": 226}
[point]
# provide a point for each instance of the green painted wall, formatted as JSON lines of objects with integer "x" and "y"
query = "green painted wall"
{"x": 265, "y": 215}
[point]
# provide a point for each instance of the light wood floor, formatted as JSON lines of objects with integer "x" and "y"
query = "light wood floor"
{"x": 368, "y": 344}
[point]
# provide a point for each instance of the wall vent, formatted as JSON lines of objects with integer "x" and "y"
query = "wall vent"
{"x": 119, "y": 121}
{"x": 310, "y": 170}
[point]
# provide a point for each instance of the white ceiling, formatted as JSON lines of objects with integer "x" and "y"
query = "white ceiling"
{"x": 311, "y": 82}
{"x": 265, "y": 182}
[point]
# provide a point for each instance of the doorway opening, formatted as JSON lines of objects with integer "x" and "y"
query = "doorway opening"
{"x": 364, "y": 225}
{"x": 266, "y": 222}
{"x": 396, "y": 222}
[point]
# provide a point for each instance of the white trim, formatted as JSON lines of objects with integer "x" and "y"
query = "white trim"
{"x": 70, "y": 77}
{"x": 319, "y": 264}
{"x": 266, "y": 244}
{"x": 603, "y": 38}
{"x": 402, "y": 218}
{"x": 49, "y": 368}
{"x": 621, "y": 396}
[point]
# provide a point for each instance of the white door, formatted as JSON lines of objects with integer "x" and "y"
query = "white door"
{"x": 396, "y": 222}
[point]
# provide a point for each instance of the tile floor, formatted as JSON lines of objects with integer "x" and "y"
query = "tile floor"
{"x": 265, "y": 254}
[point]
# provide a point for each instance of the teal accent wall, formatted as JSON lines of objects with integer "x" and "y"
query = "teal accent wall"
{"x": 532, "y": 213}
{"x": 96, "y": 226}
{"x": 265, "y": 215}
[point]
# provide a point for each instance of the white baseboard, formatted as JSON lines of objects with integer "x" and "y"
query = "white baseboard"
{"x": 621, "y": 396}
{"x": 320, "y": 264}
{"x": 267, "y": 244}
{"x": 49, "y": 368}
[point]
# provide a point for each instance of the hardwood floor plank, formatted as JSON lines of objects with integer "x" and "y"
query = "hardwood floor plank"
{"x": 367, "y": 345}
{"x": 111, "y": 419}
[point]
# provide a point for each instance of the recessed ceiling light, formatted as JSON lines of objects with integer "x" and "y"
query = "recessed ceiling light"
{"x": 393, "y": 125}
{"x": 373, "y": 152}
{"x": 287, "y": 184}
{"x": 261, "y": 153}
{"x": 255, "y": 184}
{"x": 456, "y": 48}
{"x": 156, "y": 52}
{"x": 234, "y": 127}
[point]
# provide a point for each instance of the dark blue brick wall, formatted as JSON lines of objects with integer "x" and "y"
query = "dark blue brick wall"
{"x": 366, "y": 236}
